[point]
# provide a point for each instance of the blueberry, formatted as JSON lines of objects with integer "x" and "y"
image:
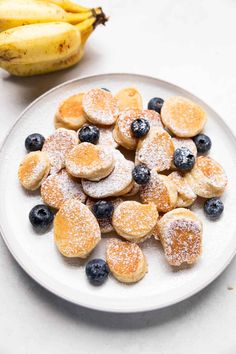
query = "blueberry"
{"x": 202, "y": 142}
{"x": 103, "y": 209}
{"x": 156, "y": 104}
{"x": 140, "y": 127}
{"x": 141, "y": 174}
{"x": 41, "y": 217}
{"x": 184, "y": 160}
{"x": 105, "y": 89}
{"x": 34, "y": 142}
{"x": 213, "y": 208}
{"x": 97, "y": 271}
{"x": 89, "y": 134}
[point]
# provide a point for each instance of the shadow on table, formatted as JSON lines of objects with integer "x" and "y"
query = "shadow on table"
{"x": 29, "y": 88}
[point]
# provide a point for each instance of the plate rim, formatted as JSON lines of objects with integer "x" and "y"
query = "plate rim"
{"x": 93, "y": 306}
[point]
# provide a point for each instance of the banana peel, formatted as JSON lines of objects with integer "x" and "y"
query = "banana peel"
{"x": 46, "y": 47}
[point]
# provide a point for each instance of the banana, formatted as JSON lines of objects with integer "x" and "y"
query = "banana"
{"x": 15, "y": 13}
{"x": 46, "y": 47}
{"x": 69, "y": 5}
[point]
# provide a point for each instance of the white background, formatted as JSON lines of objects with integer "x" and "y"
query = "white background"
{"x": 192, "y": 44}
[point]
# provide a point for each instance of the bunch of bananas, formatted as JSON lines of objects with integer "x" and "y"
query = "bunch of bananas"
{"x": 41, "y": 36}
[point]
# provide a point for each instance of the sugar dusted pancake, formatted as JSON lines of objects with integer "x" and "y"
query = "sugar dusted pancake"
{"x": 90, "y": 161}
{"x": 70, "y": 113}
{"x": 134, "y": 221}
{"x": 76, "y": 230}
{"x": 135, "y": 190}
{"x": 122, "y": 131}
{"x": 161, "y": 191}
{"x": 129, "y": 98}
{"x": 207, "y": 178}
{"x": 100, "y": 106}
{"x": 58, "y": 188}
{"x": 126, "y": 261}
{"x": 106, "y": 137}
{"x": 153, "y": 117}
{"x": 118, "y": 183}
{"x": 186, "y": 195}
{"x": 180, "y": 232}
{"x": 155, "y": 150}
{"x": 183, "y": 117}
{"x": 57, "y": 146}
{"x": 33, "y": 169}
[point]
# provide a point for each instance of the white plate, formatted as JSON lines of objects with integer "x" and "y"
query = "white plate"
{"x": 37, "y": 254}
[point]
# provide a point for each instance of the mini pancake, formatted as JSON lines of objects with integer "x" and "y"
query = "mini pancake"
{"x": 106, "y": 137}
{"x": 76, "y": 230}
{"x": 155, "y": 150}
{"x": 90, "y": 161}
{"x": 129, "y": 98}
{"x": 122, "y": 131}
{"x": 153, "y": 117}
{"x": 33, "y": 169}
{"x": 180, "y": 232}
{"x": 70, "y": 113}
{"x": 119, "y": 182}
{"x": 133, "y": 220}
{"x": 126, "y": 261}
{"x": 186, "y": 196}
{"x": 161, "y": 191}
{"x": 135, "y": 189}
{"x": 57, "y": 147}
{"x": 58, "y": 188}
{"x": 207, "y": 178}
{"x": 100, "y": 106}
{"x": 105, "y": 224}
{"x": 183, "y": 117}
{"x": 184, "y": 143}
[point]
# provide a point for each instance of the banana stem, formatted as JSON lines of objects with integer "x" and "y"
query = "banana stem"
{"x": 101, "y": 18}
{"x": 86, "y": 27}
{"x": 98, "y": 17}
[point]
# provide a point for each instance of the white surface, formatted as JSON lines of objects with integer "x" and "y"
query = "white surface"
{"x": 190, "y": 43}
{"x": 162, "y": 285}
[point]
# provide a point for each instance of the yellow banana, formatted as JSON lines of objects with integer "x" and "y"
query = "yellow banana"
{"x": 69, "y": 5}
{"x": 15, "y": 13}
{"x": 45, "y": 47}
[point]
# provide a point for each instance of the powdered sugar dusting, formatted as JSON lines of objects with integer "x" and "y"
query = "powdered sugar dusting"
{"x": 33, "y": 169}
{"x": 156, "y": 150}
{"x": 106, "y": 137}
{"x": 153, "y": 117}
{"x": 116, "y": 182}
{"x": 57, "y": 188}
{"x": 123, "y": 125}
{"x": 157, "y": 190}
{"x": 100, "y": 106}
{"x": 212, "y": 170}
{"x": 182, "y": 116}
{"x": 134, "y": 219}
{"x": 87, "y": 160}
{"x": 57, "y": 146}
{"x": 182, "y": 241}
{"x": 76, "y": 229}
{"x": 186, "y": 195}
{"x": 123, "y": 257}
